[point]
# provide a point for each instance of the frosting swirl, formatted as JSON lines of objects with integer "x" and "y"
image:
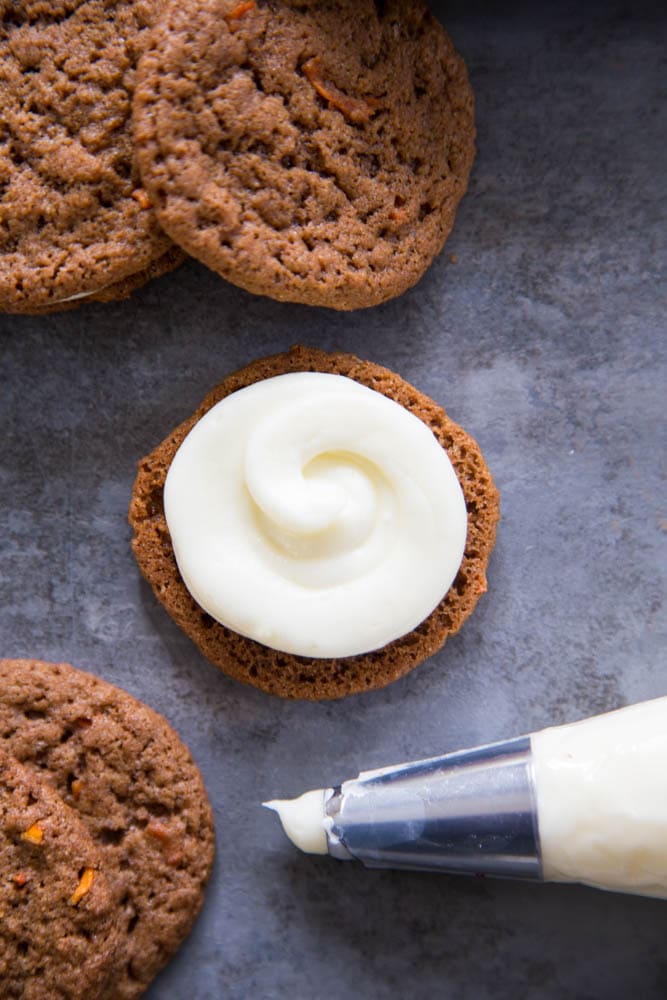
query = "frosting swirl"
{"x": 314, "y": 515}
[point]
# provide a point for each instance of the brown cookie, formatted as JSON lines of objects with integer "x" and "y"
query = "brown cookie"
{"x": 73, "y": 215}
{"x": 134, "y": 785}
{"x": 284, "y": 674}
{"x": 310, "y": 151}
{"x": 169, "y": 261}
{"x": 58, "y": 937}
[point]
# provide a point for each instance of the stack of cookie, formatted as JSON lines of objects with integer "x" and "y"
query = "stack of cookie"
{"x": 75, "y": 222}
{"x": 311, "y": 152}
{"x": 106, "y": 836}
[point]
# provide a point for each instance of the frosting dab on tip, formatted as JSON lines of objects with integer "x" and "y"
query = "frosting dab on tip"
{"x": 314, "y": 515}
{"x": 303, "y": 820}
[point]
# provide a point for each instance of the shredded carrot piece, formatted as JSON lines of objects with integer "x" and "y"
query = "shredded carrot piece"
{"x": 84, "y": 886}
{"x": 34, "y": 834}
{"x": 20, "y": 879}
{"x": 142, "y": 198}
{"x": 237, "y": 12}
{"x": 358, "y": 110}
{"x": 174, "y": 856}
{"x": 158, "y": 830}
{"x": 398, "y": 215}
{"x": 162, "y": 833}
{"x": 76, "y": 787}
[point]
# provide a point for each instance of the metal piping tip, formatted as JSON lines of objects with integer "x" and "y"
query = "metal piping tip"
{"x": 470, "y": 812}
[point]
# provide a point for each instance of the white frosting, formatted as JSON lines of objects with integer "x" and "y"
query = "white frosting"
{"x": 80, "y": 295}
{"x": 315, "y": 515}
{"x": 72, "y": 298}
{"x": 602, "y": 800}
{"x": 303, "y": 820}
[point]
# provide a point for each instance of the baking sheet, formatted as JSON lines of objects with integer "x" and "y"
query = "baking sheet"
{"x": 541, "y": 329}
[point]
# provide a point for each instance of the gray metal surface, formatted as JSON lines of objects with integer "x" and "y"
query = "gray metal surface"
{"x": 542, "y": 330}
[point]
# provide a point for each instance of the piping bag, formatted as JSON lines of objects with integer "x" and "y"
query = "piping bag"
{"x": 580, "y": 803}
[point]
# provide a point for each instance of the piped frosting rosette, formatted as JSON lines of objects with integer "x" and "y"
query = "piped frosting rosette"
{"x": 315, "y": 515}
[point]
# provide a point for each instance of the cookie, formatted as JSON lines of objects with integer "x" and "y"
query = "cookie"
{"x": 291, "y": 676}
{"x": 169, "y": 261}
{"x": 57, "y": 933}
{"x": 134, "y": 785}
{"x": 312, "y": 152}
{"x": 74, "y": 217}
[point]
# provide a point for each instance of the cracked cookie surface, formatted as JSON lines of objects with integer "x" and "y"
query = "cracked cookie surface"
{"x": 73, "y": 215}
{"x": 136, "y": 788}
{"x": 312, "y": 151}
{"x": 58, "y": 937}
{"x": 119, "y": 290}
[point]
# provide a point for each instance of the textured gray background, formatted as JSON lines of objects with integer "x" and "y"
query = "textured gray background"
{"x": 545, "y": 337}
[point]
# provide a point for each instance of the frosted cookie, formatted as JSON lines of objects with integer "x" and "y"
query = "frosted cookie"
{"x": 57, "y": 919}
{"x": 134, "y": 785}
{"x": 74, "y": 217}
{"x": 312, "y": 152}
{"x": 294, "y": 538}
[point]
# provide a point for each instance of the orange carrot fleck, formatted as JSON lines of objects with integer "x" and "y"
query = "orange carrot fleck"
{"x": 358, "y": 110}
{"x": 75, "y": 788}
{"x": 20, "y": 879}
{"x": 84, "y": 886}
{"x": 141, "y": 197}
{"x": 237, "y": 12}
{"x": 399, "y": 216}
{"x": 33, "y": 835}
{"x": 160, "y": 832}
